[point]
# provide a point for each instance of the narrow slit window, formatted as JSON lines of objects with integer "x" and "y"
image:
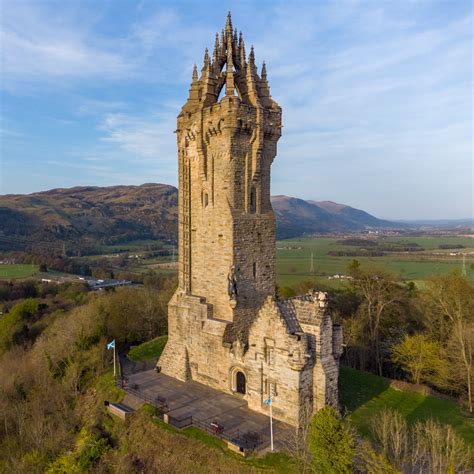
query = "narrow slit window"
{"x": 253, "y": 201}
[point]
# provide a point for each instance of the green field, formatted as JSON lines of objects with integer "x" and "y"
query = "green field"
{"x": 365, "y": 395}
{"x": 293, "y": 259}
{"x": 17, "y": 271}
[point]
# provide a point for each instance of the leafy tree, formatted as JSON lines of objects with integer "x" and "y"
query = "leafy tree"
{"x": 88, "y": 450}
{"x": 331, "y": 442}
{"x": 12, "y": 324}
{"x": 370, "y": 461}
{"x": 422, "y": 359}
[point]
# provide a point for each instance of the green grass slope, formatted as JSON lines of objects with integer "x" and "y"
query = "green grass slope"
{"x": 148, "y": 350}
{"x": 365, "y": 395}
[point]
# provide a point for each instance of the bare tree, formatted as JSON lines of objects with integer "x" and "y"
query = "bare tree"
{"x": 391, "y": 432}
{"x": 452, "y": 302}
{"x": 438, "y": 449}
{"x": 378, "y": 290}
{"x": 296, "y": 441}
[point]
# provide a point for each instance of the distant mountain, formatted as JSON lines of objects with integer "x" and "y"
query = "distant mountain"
{"x": 86, "y": 217}
{"x": 297, "y": 217}
{"x": 441, "y": 223}
{"x": 357, "y": 216}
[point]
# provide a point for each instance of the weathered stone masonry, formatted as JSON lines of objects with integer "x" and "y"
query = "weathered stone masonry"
{"x": 226, "y": 328}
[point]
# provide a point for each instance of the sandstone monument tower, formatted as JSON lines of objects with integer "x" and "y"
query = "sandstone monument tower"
{"x": 227, "y": 329}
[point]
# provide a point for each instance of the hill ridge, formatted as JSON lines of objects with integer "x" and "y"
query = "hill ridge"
{"x": 87, "y": 216}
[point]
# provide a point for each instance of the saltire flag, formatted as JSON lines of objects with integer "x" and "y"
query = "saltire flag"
{"x": 111, "y": 345}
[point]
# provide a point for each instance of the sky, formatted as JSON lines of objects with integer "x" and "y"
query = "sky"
{"x": 376, "y": 95}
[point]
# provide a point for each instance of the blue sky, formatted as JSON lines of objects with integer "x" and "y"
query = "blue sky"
{"x": 376, "y": 95}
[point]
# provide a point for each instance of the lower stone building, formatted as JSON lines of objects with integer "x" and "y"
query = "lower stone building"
{"x": 291, "y": 354}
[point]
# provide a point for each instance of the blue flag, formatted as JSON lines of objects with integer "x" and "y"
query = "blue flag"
{"x": 111, "y": 345}
{"x": 268, "y": 401}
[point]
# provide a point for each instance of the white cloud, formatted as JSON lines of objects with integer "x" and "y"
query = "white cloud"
{"x": 38, "y": 45}
{"x": 142, "y": 137}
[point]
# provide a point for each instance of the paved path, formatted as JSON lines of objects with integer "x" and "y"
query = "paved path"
{"x": 206, "y": 404}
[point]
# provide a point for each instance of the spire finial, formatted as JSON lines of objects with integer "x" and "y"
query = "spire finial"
{"x": 195, "y": 73}
{"x": 252, "y": 56}
{"x": 223, "y": 39}
{"x": 215, "y": 53}
{"x": 264, "y": 71}
{"x": 228, "y": 25}
{"x": 206, "y": 57}
{"x": 229, "y": 83}
{"x": 242, "y": 51}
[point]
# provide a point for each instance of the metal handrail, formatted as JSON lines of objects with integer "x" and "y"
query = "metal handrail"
{"x": 157, "y": 402}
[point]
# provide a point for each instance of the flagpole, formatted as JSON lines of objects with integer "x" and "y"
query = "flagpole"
{"x": 271, "y": 426}
{"x": 114, "y": 362}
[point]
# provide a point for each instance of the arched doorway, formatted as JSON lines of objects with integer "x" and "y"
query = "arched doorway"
{"x": 240, "y": 382}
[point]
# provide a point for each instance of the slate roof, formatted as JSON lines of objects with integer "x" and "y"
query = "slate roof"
{"x": 288, "y": 312}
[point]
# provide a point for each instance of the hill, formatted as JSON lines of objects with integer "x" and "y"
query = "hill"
{"x": 88, "y": 216}
{"x": 296, "y": 217}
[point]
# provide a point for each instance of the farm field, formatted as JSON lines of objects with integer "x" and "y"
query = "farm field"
{"x": 17, "y": 271}
{"x": 293, "y": 259}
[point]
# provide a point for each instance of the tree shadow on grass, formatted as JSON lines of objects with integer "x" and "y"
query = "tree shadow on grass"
{"x": 445, "y": 412}
{"x": 357, "y": 388}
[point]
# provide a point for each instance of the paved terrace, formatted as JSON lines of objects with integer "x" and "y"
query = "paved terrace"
{"x": 206, "y": 405}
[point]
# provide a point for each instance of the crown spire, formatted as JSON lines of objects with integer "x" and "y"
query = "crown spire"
{"x": 195, "y": 73}
{"x": 228, "y": 25}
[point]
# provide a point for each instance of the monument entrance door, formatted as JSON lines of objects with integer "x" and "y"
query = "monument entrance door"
{"x": 240, "y": 382}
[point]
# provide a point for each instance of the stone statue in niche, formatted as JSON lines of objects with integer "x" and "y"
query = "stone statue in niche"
{"x": 232, "y": 284}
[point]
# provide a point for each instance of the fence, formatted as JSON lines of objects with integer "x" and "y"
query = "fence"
{"x": 248, "y": 440}
{"x": 157, "y": 402}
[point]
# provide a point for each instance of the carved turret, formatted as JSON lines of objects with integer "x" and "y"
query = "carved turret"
{"x": 229, "y": 69}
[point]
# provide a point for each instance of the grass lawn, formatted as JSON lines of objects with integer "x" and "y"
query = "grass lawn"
{"x": 107, "y": 389}
{"x": 17, "y": 271}
{"x": 148, "y": 350}
{"x": 364, "y": 395}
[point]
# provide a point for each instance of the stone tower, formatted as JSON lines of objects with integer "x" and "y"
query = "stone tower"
{"x": 226, "y": 328}
{"x": 226, "y": 147}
